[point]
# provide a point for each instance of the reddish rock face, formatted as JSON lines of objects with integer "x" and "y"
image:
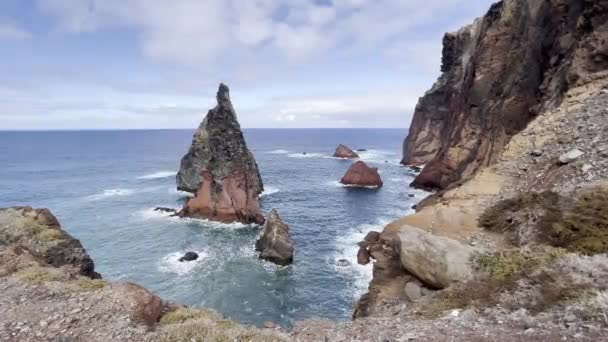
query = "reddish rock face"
{"x": 360, "y": 174}
{"x": 146, "y": 308}
{"x": 234, "y": 203}
{"x": 498, "y": 74}
{"x": 343, "y": 151}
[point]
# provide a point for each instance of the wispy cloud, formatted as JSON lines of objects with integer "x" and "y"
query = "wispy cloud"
{"x": 9, "y": 30}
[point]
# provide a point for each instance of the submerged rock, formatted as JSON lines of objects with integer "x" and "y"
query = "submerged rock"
{"x": 220, "y": 170}
{"x": 275, "y": 244}
{"x": 343, "y": 151}
{"x": 189, "y": 256}
{"x": 360, "y": 174}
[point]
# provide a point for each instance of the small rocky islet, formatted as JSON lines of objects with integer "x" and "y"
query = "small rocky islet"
{"x": 511, "y": 246}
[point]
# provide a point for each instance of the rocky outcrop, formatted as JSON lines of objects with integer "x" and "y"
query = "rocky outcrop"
{"x": 220, "y": 170}
{"x": 275, "y": 244}
{"x": 483, "y": 97}
{"x": 359, "y": 174}
{"x": 344, "y": 152}
{"x": 38, "y": 232}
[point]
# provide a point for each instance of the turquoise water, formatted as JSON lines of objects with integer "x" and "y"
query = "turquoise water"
{"x": 103, "y": 186}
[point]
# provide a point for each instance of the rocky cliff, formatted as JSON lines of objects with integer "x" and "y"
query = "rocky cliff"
{"x": 220, "y": 170}
{"x": 499, "y": 73}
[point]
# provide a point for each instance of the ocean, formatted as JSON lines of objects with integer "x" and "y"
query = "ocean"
{"x": 104, "y": 185}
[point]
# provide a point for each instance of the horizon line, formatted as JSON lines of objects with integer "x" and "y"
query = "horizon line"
{"x": 184, "y": 129}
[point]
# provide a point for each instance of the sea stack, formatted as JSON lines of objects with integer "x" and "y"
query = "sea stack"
{"x": 220, "y": 170}
{"x": 345, "y": 152}
{"x": 275, "y": 245}
{"x": 359, "y": 174}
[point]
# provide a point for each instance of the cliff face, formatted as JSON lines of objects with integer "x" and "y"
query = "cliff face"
{"x": 498, "y": 74}
{"x": 220, "y": 169}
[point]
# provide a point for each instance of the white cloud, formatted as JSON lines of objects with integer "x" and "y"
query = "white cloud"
{"x": 11, "y": 31}
{"x": 202, "y": 33}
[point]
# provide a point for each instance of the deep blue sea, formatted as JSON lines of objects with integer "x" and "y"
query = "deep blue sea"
{"x": 104, "y": 185}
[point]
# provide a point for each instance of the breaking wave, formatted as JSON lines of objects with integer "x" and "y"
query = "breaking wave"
{"x": 158, "y": 175}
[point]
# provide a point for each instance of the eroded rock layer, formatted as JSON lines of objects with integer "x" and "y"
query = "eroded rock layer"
{"x": 498, "y": 74}
{"x": 220, "y": 170}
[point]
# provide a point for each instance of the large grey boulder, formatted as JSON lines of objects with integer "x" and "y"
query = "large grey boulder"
{"x": 275, "y": 244}
{"x": 436, "y": 261}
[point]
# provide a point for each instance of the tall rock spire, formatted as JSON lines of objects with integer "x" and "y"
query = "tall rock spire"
{"x": 220, "y": 170}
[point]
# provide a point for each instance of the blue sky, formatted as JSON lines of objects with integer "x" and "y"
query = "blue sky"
{"x": 105, "y": 64}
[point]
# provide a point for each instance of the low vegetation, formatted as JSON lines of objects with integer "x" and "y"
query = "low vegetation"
{"x": 88, "y": 284}
{"x": 187, "y": 325}
{"x": 581, "y": 227}
{"x": 584, "y": 229}
{"x": 39, "y": 275}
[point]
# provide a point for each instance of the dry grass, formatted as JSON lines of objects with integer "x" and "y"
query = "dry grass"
{"x": 40, "y": 275}
{"x": 184, "y": 314}
{"x": 88, "y": 284}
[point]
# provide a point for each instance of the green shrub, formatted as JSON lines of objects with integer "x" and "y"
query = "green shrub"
{"x": 584, "y": 229}
{"x": 506, "y": 265}
{"x": 524, "y": 217}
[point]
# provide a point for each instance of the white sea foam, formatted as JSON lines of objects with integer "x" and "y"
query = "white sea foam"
{"x": 347, "y": 248}
{"x": 171, "y": 264}
{"x": 158, "y": 175}
{"x": 337, "y": 184}
{"x": 378, "y": 156}
{"x": 174, "y": 191}
{"x": 307, "y": 155}
{"x": 111, "y": 193}
{"x": 278, "y": 152}
{"x": 269, "y": 190}
{"x": 149, "y": 214}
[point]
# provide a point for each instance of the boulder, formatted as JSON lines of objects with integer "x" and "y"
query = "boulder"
{"x": 570, "y": 156}
{"x": 343, "y": 151}
{"x": 189, "y": 256}
{"x": 436, "y": 261}
{"x": 146, "y": 308}
{"x": 359, "y": 174}
{"x": 275, "y": 244}
{"x": 220, "y": 170}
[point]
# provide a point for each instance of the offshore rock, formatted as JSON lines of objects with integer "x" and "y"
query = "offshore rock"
{"x": 189, "y": 256}
{"x": 275, "y": 245}
{"x": 220, "y": 170}
{"x": 343, "y": 151}
{"x": 483, "y": 98}
{"x": 359, "y": 174}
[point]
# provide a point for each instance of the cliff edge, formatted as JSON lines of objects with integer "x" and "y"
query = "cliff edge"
{"x": 499, "y": 73}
